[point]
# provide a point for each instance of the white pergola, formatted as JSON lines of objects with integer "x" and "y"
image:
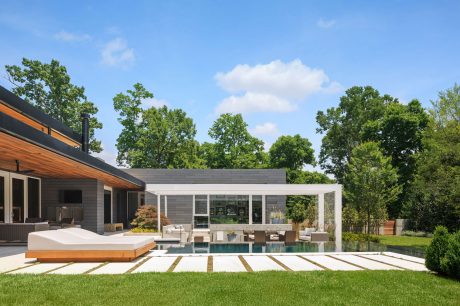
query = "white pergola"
{"x": 256, "y": 189}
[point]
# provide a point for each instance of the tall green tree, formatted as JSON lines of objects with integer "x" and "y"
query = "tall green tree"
{"x": 435, "y": 194}
{"x": 344, "y": 126}
{"x": 156, "y": 137}
{"x": 399, "y": 133}
{"x": 166, "y": 140}
{"x": 291, "y": 152}
{"x": 49, "y": 88}
{"x": 233, "y": 147}
{"x": 371, "y": 182}
{"x": 129, "y": 107}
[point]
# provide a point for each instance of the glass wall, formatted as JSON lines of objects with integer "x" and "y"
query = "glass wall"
{"x": 229, "y": 209}
{"x": 257, "y": 209}
{"x": 2, "y": 199}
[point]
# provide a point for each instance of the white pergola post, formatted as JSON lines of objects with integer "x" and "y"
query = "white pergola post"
{"x": 250, "y": 209}
{"x": 264, "y": 213}
{"x": 321, "y": 212}
{"x": 158, "y": 211}
{"x": 338, "y": 218}
{"x": 166, "y": 205}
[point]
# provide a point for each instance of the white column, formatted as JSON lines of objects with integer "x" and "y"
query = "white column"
{"x": 250, "y": 209}
{"x": 166, "y": 205}
{"x": 338, "y": 218}
{"x": 208, "y": 200}
{"x": 158, "y": 212}
{"x": 264, "y": 213}
{"x": 321, "y": 212}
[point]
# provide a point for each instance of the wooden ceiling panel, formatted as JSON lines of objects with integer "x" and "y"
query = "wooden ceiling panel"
{"x": 47, "y": 164}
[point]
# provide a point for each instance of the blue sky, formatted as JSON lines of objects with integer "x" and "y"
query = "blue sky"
{"x": 278, "y": 62}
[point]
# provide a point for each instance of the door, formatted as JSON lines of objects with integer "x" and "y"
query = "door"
{"x": 107, "y": 206}
{"x": 19, "y": 197}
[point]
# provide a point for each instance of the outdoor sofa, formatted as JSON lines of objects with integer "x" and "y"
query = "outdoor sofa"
{"x": 79, "y": 245}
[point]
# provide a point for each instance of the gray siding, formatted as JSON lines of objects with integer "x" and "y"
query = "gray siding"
{"x": 180, "y": 207}
{"x": 92, "y": 196}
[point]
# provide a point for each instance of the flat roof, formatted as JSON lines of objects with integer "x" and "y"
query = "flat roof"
{"x": 28, "y": 110}
{"x": 242, "y": 189}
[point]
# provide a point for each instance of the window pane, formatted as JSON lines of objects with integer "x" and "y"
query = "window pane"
{"x": 229, "y": 209}
{"x": 18, "y": 200}
{"x": 257, "y": 209}
{"x": 200, "y": 222}
{"x": 201, "y": 205}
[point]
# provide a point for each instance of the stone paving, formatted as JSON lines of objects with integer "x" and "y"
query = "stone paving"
{"x": 158, "y": 261}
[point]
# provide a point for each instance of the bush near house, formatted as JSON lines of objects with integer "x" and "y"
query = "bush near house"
{"x": 146, "y": 218}
{"x": 443, "y": 254}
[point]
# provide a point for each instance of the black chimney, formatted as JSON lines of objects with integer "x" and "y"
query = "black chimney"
{"x": 85, "y": 132}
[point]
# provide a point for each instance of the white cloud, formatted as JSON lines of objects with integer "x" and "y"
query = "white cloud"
{"x": 325, "y": 24}
{"x": 71, "y": 37}
{"x": 267, "y": 128}
{"x": 117, "y": 53}
{"x": 107, "y": 156}
{"x": 275, "y": 87}
{"x": 254, "y": 102}
{"x": 154, "y": 102}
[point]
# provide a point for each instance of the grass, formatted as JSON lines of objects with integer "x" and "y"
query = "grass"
{"x": 267, "y": 288}
{"x": 420, "y": 242}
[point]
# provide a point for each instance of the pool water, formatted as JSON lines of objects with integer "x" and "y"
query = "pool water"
{"x": 299, "y": 247}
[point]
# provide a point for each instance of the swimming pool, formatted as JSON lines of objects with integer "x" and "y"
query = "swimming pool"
{"x": 277, "y": 247}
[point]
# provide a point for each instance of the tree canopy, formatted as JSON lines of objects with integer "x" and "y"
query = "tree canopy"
{"x": 49, "y": 88}
{"x": 291, "y": 152}
{"x": 155, "y": 137}
{"x": 233, "y": 146}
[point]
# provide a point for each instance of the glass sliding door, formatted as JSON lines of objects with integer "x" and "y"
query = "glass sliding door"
{"x": 2, "y": 199}
{"x": 33, "y": 198}
{"x": 229, "y": 209}
{"x": 18, "y": 199}
{"x": 200, "y": 212}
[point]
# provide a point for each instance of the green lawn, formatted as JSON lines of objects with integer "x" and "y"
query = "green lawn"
{"x": 268, "y": 288}
{"x": 405, "y": 241}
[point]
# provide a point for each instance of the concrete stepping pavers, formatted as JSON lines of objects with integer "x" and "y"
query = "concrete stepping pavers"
{"x": 17, "y": 264}
{"x": 331, "y": 263}
{"x": 12, "y": 262}
{"x": 262, "y": 263}
{"x": 365, "y": 263}
{"x": 397, "y": 262}
{"x": 76, "y": 268}
{"x": 192, "y": 264}
{"x": 38, "y": 268}
{"x": 295, "y": 263}
{"x": 117, "y": 267}
{"x": 405, "y": 257}
{"x": 156, "y": 264}
{"x": 227, "y": 264}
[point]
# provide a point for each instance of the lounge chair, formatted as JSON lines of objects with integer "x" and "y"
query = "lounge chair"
{"x": 288, "y": 237}
{"x": 78, "y": 245}
{"x": 259, "y": 237}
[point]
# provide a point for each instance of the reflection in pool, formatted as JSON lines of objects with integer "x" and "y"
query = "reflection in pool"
{"x": 277, "y": 247}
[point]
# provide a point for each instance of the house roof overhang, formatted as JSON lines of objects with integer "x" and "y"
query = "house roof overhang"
{"x": 242, "y": 189}
{"x": 51, "y": 158}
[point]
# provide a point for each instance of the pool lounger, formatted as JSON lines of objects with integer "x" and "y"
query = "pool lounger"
{"x": 78, "y": 245}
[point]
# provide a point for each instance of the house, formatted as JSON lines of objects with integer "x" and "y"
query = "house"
{"x": 46, "y": 173}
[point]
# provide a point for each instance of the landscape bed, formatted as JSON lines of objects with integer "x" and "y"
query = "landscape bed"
{"x": 274, "y": 288}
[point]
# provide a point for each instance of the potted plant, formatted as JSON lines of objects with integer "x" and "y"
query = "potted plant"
{"x": 298, "y": 215}
{"x": 277, "y": 217}
{"x": 231, "y": 236}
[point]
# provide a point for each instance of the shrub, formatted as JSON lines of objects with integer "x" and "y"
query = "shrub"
{"x": 437, "y": 249}
{"x": 360, "y": 237}
{"x": 143, "y": 230}
{"x": 146, "y": 218}
{"x": 450, "y": 263}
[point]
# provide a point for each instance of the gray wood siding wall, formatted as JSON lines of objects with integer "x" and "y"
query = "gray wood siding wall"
{"x": 180, "y": 207}
{"x": 92, "y": 196}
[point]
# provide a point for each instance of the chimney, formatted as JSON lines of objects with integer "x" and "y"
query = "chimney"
{"x": 85, "y": 132}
